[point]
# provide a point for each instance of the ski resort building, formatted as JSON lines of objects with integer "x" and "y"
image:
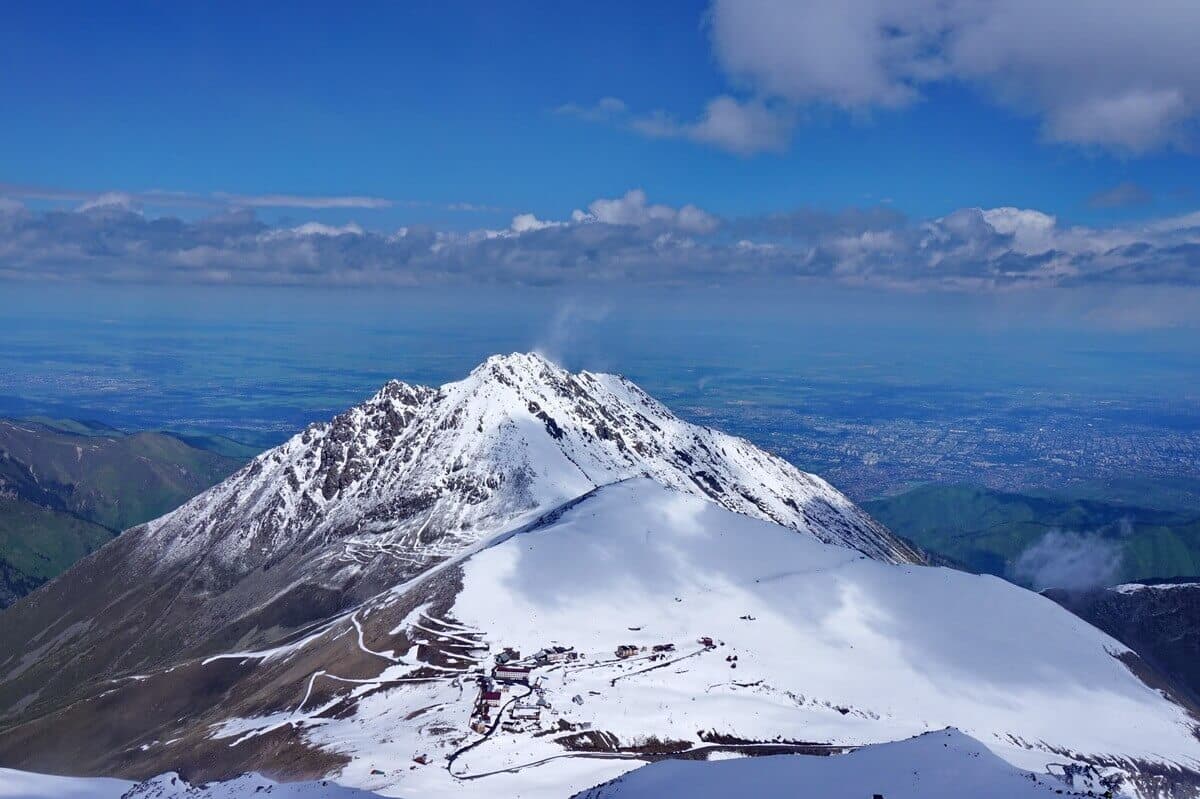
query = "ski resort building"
{"x": 511, "y": 673}
{"x": 507, "y": 656}
{"x": 555, "y": 654}
{"x": 527, "y": 712}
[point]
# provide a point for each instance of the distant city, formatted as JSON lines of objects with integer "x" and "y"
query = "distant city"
{"x": 872, "y": 408}
{"x": 869, "y": 440}
{"x": 993, "y": 446}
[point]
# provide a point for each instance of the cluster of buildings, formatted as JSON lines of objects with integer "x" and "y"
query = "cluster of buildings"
{"x": 500, "y": 702}
{"x": 511, "y": 669}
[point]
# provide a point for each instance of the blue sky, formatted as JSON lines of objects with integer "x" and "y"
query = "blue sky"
{"x": 454, "y": 103}
{"x": 456, "y": 117}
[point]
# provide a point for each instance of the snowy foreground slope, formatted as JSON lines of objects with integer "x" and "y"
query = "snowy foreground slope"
{"x": 812, "y": 643}
{"x": 937, "y": 765}
{"x": 376, "y": 496}
{"x": 814, "y": 649}
{"x": 25, "y": 785}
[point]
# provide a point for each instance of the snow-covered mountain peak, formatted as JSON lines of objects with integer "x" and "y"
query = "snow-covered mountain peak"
{"x": 415, "y": 473}
{"x": 516, "y": 362}
{"x": 379, "y": 494}
{"x": 525, "y": 582}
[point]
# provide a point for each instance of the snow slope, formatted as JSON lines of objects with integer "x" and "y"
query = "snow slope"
{"x": 28, "y": 785}
{"x": 816, "y": 647}
{"x": 937, "y": 765}
{"x": 247, "y": 786}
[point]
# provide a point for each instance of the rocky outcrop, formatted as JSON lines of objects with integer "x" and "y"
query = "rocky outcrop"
{"x": 1158, "y": 619}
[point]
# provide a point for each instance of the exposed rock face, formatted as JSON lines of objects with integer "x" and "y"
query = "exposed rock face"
{"x": 416, "y": 473}
{"x": 378, "y": 495}
{"x": 1160, "y": 620}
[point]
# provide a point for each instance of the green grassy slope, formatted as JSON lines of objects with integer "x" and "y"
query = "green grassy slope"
{"x": 987, "y": 530}
{"x": 66, "y": 487}
{"x": 38, "y": 543}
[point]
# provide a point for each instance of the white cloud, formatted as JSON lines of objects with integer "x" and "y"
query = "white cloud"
{"x": 526, "y": 223}
{"x": 1135, "y": 121}
{"x": 1098, "y": 72}
{"x": 1070, "y": 561}
{"x": 302, "y": 201}
{"x": 851, "y": 53}
{"x": 320, "y": 229}
{"x": 625, "y": 238}
{"x": 1032, "y": 231}
{"x": 114, "y": 200}
{"x": 633, "y": 209}
{"x": 744, "y": 128}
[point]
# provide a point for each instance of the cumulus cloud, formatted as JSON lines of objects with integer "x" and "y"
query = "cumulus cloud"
{"x": 320, "y": 229}
{"x": 1095, "y": 72}
{"x": 526, "y": 223}
{"x": 743, "y": 127}
{"x": 633, "y": 209}
{"x": 852, "y": 53}
{"x": 627, "y": 238}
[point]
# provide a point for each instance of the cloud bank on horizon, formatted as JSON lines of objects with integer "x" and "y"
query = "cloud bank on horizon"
{"x": 1097, "y": 73}
{"x": 626, "y": 238}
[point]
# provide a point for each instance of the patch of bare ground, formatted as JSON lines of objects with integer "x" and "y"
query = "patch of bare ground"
{"x": 1160, "y": 682}
{"x": 590, "y": 741}
{"x": 1164, "y": 781}
{"x": 714, "y": 737}
{"x": 281, "y": 754}
{"x": 165, "y": 720}
{"x": 602, "y": 741}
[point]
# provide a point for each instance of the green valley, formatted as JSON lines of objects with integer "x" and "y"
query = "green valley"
{"x": 987, "y": 531}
